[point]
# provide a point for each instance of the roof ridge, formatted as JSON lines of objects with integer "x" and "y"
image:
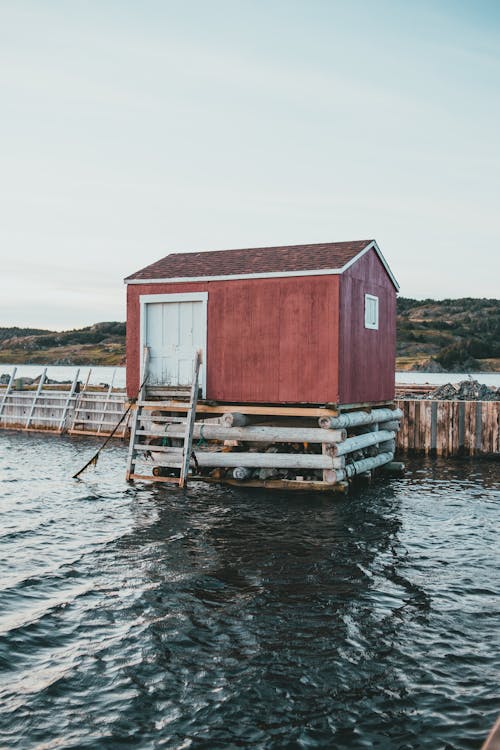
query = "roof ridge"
{"x": 257, "y": 262}
{"x": 268, "y": 247}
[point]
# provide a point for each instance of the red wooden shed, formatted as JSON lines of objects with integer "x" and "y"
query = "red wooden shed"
{"x": 311, "y": 324}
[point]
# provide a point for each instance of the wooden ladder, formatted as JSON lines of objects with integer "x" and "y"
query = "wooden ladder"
{"x": 178, "y": 457}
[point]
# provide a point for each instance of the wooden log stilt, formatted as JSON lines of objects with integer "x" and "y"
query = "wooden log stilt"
{"x": 388, "y": 446}
{"x": 258, "y": 460}
{"x": 355, "y": 418}
{"x": 360, "y": 467}
{"x": 362, "y": 441}
{"x": 254, "y": 433}
{"x": 392, "y": 424}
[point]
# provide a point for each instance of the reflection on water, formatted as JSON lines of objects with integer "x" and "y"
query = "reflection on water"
{"x": 218, "y": 618}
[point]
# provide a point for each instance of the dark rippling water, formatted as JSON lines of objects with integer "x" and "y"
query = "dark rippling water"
{"x": 143, "y": 617}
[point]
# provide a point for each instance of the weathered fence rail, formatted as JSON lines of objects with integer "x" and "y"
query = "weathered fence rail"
{"x": 86, "y": 413}
{"x": 449, "y": 428}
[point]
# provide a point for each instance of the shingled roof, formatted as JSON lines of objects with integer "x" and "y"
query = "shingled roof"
{"x": 256, "y": 261}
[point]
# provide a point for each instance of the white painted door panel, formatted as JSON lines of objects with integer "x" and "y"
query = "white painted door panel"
{"x": 174, "y": 331}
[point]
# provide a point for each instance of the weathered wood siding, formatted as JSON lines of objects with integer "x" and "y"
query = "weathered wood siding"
{"x": 268, "y": 341}
{"x": 367, "y": 357}
{"x": 449, "y": 428}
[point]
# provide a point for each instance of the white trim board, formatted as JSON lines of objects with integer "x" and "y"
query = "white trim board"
{"x": 273, "y": 274}
{"x": 146, "y": 299}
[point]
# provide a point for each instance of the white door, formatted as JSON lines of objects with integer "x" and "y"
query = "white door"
{"x": 174, "y": 328}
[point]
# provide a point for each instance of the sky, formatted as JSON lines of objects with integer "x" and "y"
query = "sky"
{"x": 129, "y": 130}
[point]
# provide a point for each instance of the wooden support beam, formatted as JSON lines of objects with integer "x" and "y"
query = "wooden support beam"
{"x": 364, "y": 405}
{"x": 262, "y": 409}
{"x": 360, "y": 467}
{"x": 252, "y": 434}
{"x": 361, "y": 441}
{"x": 293, "y": 485}
{"x": 392, "y": 424}
{"x": 388, "y": 446}
{"x": 256, "y": 460}
{"x": 356, "y": 418}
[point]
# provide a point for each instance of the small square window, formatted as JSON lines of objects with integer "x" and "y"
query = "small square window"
{"x": 371, "y": 311}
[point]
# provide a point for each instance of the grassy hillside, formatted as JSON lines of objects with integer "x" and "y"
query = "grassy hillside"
{"x": 448, "y": 335}
{"x": 451, "y": 335}
{"x": 100, "y": 344}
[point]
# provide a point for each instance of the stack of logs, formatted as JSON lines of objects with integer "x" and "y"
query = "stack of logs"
{"x": 242, "y": 447}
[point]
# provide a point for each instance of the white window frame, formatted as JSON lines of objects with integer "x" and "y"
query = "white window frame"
{"x": 371, "y": 305}
{"x": 145, "y": 299}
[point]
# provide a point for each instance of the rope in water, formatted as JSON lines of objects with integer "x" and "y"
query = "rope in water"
{"x": 95, "y": 457}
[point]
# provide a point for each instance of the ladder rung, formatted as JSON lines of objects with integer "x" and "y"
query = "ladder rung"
{"x": 162, "y": 420}
{"x": 148, "y": 433}
{"x": 171, "y": 464}
{"x": 157, "y": 448}
{"x": 168, "y": 420}
{"x": 164, "y": 405}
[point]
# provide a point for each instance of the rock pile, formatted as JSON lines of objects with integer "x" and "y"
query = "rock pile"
{"x": 466, "y": 390}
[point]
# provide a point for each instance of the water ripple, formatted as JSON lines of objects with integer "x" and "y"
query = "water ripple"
{"x": 152, "y": 618}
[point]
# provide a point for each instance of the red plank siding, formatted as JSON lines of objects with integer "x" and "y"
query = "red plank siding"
{"x": 269, "y": 340}
{"x": 367, "y": 357}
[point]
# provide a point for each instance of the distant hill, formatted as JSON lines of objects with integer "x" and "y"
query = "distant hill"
{"x": 460, "y": 335}
{"x": 451, "y": 335}
{"x": 100, "y": 344}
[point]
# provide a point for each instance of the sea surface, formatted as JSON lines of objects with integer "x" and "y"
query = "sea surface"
{"x": 117, "y": 375}
{"x": 148, "y": 617}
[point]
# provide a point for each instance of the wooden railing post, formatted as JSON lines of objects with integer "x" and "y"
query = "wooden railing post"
{"x": 35, "y": 399}
{"x": 7, "y": 392}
